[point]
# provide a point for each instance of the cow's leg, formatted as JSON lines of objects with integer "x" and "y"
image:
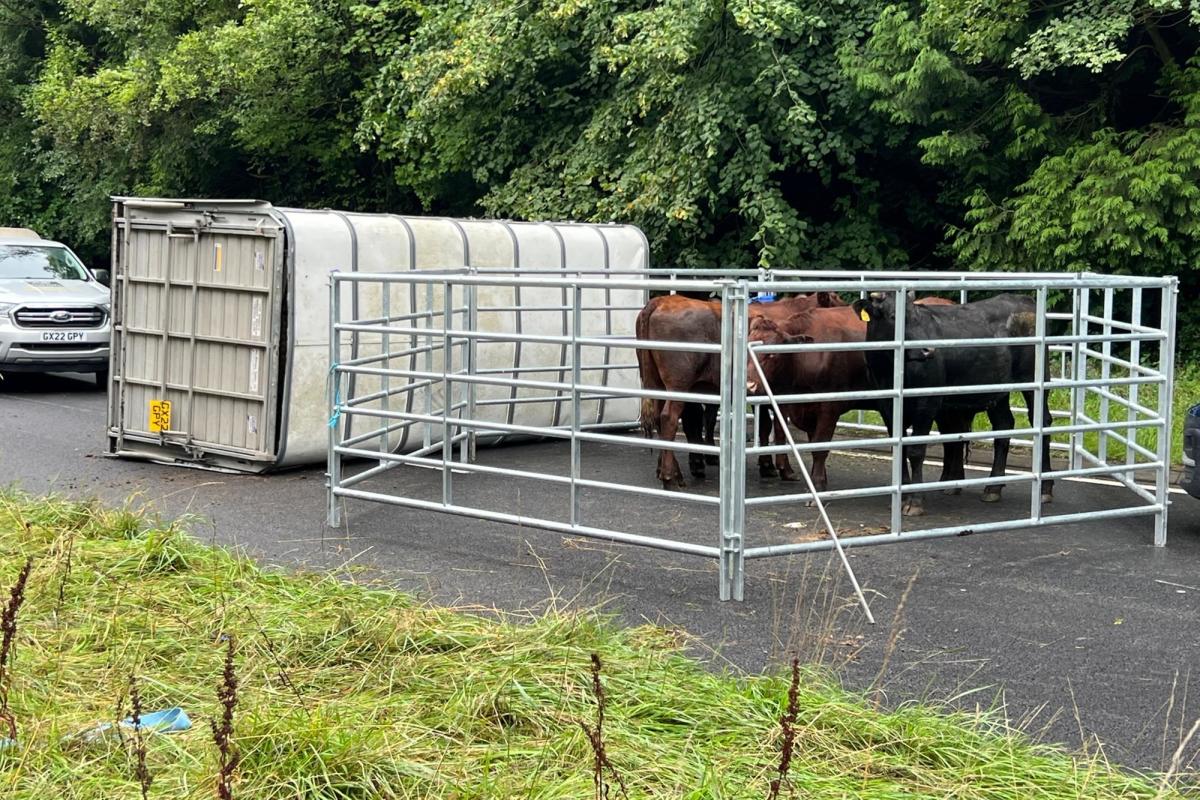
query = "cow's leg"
{"x": 1047, "y": 420}
{"x": 783, "y": 461}
{"x": 822, "y": 431}
{"x": 1001, "y": 417}
{"x": 953, "y": 468}
{"x": 693, "y": 430}
{"x": 668, "y": 467}
{"x": 766, "y": 422}
{"x": 914, "y": 505}
{"x": 710, "y": 433}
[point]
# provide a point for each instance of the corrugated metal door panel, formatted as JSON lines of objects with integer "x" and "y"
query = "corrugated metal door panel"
{"x": 198, "y": 315}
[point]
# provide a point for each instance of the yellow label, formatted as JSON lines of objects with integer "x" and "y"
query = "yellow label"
{"x": 864, "y": 316}
{"x": 160, "y": 416}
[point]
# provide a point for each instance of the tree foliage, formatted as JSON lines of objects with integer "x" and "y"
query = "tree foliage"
{"x": 986, "y": 134}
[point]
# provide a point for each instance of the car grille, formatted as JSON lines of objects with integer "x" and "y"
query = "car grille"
{"x": 74, "y": 317}
{"x": 41, "y": 347}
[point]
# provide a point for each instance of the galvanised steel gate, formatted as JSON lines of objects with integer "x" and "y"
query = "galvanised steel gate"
{"x": 1107, "y": 357}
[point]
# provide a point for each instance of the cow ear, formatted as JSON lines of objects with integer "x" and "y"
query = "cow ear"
{"x": 824, "y": 299}
{"x": 861, "y": 309}
{"x": 912, "y": 296}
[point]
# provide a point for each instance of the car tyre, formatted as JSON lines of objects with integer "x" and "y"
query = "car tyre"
{"x": 102, "y": 379}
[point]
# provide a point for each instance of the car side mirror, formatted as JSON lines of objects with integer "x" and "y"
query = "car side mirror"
{"x": 103, "y": 276}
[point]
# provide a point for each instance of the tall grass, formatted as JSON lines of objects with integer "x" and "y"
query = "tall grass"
{"x": 386, "y": 698}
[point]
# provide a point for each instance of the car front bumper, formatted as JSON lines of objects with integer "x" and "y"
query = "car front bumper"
{"x": 23, "y": 349}
{"x": 1190, "y": 480}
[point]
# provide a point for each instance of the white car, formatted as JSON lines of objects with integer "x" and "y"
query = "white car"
{"x": 54, "y": 311}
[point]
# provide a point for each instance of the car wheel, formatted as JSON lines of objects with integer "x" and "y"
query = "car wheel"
{"x": 102, "y": 379}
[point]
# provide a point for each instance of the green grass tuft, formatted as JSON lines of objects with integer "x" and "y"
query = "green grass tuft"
{"x": 348, "y": 692}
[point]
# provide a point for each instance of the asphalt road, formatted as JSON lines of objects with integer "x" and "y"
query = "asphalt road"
{"x": 1082, "y": 634}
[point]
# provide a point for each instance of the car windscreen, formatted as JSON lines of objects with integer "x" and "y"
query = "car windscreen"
{"x": 39, "y": 262}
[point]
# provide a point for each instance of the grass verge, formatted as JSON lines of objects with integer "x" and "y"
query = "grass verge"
{"x": 346, "y": 691}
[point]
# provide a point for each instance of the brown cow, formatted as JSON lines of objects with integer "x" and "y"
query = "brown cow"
{"x": 818, "y": 371}
{"x": 813, "y": 371}
{"x": 673, "y": 318}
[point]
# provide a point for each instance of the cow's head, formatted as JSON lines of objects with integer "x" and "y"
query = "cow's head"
{"x": 766, "y": 331}
{"x": 878, "y": 310}
{"x": 880, "y": 307}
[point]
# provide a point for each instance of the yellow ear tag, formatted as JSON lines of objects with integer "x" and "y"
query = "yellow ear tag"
{"x": 864, "y": 316}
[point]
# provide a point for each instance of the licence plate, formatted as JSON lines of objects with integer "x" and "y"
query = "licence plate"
{"x": 63, "y": 336}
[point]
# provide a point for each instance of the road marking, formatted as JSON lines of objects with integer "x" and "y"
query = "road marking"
{"x": 46, "y": 403}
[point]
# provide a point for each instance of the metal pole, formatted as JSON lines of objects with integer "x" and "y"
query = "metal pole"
{"x": 576, "y": 379}
{"x": 334, "y": 462}
{"x": 734, "y": 302}
{"x": 466, "y": 451}
{"x": 1135, "y": 358}
{"x": 837, "y": 542}
{"x": 447, "y": 391}
{"x": 1166, "y": 366}
{"x": 385, "y": 346}
{"x": 1106, "y": 370}
{"x": 1079, "y": 365}
{"x": 428, "y": 439}
{"x": 898, "y": 412}
{"x": 1037, "y": 418}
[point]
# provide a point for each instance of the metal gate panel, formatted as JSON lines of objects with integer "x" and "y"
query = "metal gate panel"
{"x": 1099, "y": 352}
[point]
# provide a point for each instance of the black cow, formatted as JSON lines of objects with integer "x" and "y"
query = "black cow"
{"x": 1001, "y": 316}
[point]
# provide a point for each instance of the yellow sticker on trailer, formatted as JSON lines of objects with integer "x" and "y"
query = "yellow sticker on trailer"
{"x": 160, "y": 416}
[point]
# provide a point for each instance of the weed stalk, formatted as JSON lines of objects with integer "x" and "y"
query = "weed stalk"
{"x": 66, "y": 575}
{"x": 139, "y": 738}
{"x": 223, "y": 731}
{"x": 8, "y": 634}
{"x": 787, "y": 724}
{"x": 595, "y": 736}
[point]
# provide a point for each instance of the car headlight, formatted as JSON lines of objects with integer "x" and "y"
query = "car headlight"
{"x": 6, "y": 307}
{"x": 106, "y": 306}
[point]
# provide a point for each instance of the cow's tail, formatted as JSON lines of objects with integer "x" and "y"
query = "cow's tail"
{"x": 647, "y": 371}
{"x": 649, "y": 423}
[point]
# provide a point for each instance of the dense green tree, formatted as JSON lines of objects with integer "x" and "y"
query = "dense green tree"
{"x": 726, "y": 129}
{"x": 988, "y": 134}
{"x": 1067, "y": 132}
{"x": 254, "y": 98}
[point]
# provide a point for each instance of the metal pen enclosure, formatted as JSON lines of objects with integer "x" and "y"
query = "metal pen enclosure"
{"x": 221, "y": 336}
{"x": 1091, "y": 355}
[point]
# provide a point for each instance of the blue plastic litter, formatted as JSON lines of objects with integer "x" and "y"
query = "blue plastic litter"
{"x": 763, "y": 297}
{"x": 169, "y": 720}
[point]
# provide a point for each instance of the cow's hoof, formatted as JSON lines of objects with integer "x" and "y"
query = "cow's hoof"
{"x": 696, "y": 467}
{"x": 1047, "y": 498}
{"x": 698, "y": 474}
{"x": 712, "y": 460}
{"x": 990, "y": 496}
{"x": 767, "y": 471}
{"x": 955, "y": 491}
{"x": 912, "y": 509}
{"x": 789, "y": 476}
{"x": 674, "y": 484}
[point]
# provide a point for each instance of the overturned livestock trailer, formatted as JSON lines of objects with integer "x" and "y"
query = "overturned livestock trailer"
{"x": 221, "y": 322}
